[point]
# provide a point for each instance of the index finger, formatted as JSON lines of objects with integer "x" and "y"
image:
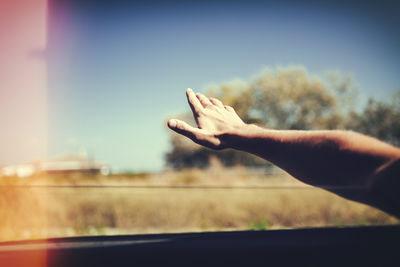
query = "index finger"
{"x": 194, "y": 102}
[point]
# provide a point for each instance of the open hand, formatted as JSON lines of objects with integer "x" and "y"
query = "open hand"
{"x": 213, "y": 119}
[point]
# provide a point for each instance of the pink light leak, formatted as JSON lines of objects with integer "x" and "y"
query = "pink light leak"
{"x": 23, "y": 103}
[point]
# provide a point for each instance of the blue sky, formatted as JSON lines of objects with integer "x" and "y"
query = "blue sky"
{"x": 117, "y": 72}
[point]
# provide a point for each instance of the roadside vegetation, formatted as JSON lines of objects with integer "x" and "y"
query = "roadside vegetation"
{"x": 215, "y": 199}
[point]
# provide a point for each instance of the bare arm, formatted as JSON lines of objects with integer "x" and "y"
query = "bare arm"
{"x": 350, "y": 164}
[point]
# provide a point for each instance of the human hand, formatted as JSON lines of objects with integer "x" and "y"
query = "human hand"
{"x": 213, "y": 119}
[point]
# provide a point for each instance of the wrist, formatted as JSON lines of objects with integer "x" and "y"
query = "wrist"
{"x": 238, "y": 137}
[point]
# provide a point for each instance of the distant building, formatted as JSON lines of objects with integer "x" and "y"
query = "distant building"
{"x": 64, "y": 164}
{"x": 20, "y": 170}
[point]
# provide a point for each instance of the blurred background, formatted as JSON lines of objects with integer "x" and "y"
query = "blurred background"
{"x": 86, "y": 88}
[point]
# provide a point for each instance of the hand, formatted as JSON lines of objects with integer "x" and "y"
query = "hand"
{"x": 213, "y": 120}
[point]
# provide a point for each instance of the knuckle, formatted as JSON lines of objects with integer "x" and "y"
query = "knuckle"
{"x": 211, "y": 107}
{"x": 216, "y": 101}
{"x": 202, "y": 112}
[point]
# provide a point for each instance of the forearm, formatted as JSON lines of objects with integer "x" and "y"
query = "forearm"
{"x": 322, "y": 158}
{"x": 352, "y": 165}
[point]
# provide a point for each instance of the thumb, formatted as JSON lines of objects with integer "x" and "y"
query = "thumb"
{"x": 183, "y": 128}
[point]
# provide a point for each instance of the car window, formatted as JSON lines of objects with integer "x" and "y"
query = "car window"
{"x": 87, "y": 88}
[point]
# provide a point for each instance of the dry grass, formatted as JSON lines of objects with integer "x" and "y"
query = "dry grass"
{"x": 48, "y": 212}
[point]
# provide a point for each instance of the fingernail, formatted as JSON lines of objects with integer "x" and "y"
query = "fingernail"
{"x": 172, "y": 123}
{"x": 189, "y": 90}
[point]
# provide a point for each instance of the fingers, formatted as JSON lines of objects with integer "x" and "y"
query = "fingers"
{"x": 229, "y": 108}
{"x": 199, "y": 101}
{"x": 193, "y": 101}
{"x": 216, "y": 102}
{"x": 183, "y": 128}
{"x": 203, "y": 100}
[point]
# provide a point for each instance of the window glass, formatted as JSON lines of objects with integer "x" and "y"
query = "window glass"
{"x": 87, "y": 88}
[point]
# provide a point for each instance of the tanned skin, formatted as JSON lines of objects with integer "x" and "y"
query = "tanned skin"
{"x": 350, "y": 164}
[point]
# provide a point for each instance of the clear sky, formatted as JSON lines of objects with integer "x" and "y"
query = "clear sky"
{"x": 117, "y": 71}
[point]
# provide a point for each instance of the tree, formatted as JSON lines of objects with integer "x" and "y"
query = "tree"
{"x": 380, "y": 119}
{"x": 289, "y": 98}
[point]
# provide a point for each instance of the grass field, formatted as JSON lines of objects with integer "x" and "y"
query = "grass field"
{"x": 175, "y": 202}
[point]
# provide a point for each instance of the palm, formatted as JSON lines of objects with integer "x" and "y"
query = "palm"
{"x": 213, "y": 119}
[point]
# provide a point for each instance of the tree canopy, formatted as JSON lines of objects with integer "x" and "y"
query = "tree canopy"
{"x": 290, "y": 98}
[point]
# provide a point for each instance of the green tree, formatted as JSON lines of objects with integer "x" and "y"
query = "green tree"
{"x": 380, "y": 119}
{"x": 289, "y": 98}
